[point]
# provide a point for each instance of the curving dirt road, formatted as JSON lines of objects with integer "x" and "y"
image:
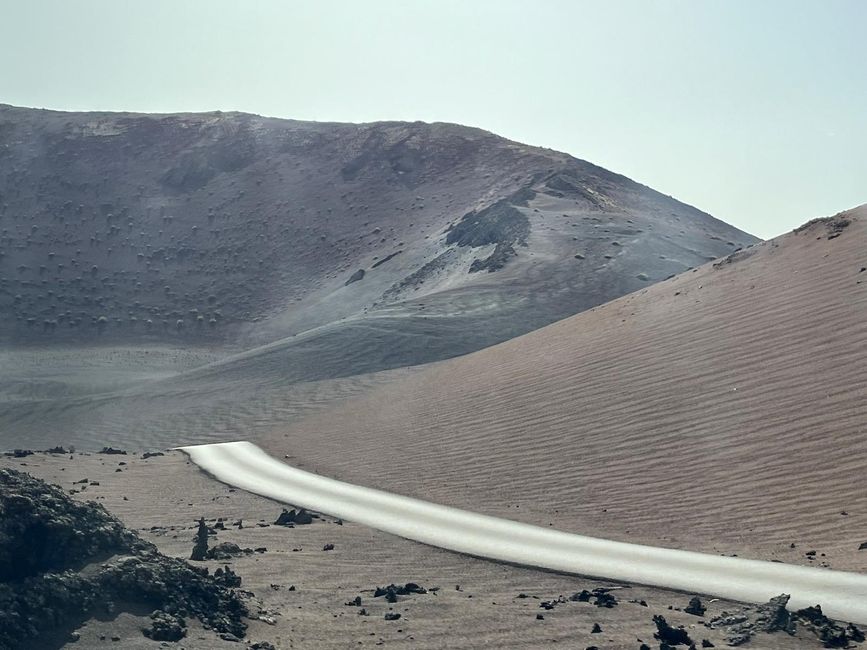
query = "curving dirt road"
{"x": 842, "y": 595}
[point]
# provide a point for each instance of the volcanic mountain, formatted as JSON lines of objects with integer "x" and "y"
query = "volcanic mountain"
{"x": 343, "y": 248}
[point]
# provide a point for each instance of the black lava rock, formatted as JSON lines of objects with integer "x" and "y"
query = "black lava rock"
{"x": 225, "y": 551}
{"x": 200, "y": 548}
{"x": 392, "y": 591}
{"x": 165, "y": 627}
{"x": 292, "y": 518}
{"x": 112, "y": 451}
{"x": 665, "y": 633}
{"x": 695, "y": 607}
{"x": 45, "y": 537}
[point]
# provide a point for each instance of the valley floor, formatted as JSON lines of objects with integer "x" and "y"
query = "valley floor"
{"x": 478, "y": 602}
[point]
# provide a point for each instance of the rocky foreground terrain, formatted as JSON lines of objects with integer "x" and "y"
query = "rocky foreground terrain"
{"x": 267, "y": 577}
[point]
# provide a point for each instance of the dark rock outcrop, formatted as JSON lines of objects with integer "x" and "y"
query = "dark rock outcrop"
{"x": 46, "y": 538}
{"x": 495, "y": 261}
{"x": 355, "y": 277}
{"x": 774, "y": 617}
{"x": 165, "y": 627}
{"x": 830, "y": 633}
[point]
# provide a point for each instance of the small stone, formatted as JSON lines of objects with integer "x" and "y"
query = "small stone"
{"x": 668, "y": 634}
{"x": 695, "y": 607}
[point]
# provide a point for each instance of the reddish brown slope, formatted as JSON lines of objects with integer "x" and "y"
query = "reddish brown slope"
{"x": 723, "y": 409}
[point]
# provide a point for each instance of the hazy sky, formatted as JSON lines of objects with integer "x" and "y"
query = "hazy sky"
{"x": 753, "y": 110}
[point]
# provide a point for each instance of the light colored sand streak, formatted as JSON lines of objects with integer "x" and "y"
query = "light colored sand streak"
{"x": 842, "y": 595}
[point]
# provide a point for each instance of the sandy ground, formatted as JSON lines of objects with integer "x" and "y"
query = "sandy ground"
{"x": 723, "y": 411}
{"x": 477, "y": 604}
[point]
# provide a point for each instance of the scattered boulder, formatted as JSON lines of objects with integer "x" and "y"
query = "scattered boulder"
{"x": 292, "y": 518}
{"x": 605, "y": 599}
{"x": 151, "y": 454}
{"x": 200, "y": 548}
{"x": 227, "y": 578}
{"x": 223, "y": 550}
{"x": 695, "y": 607}
{"x": 769, "y": 617}
{"x": 111, "y": 451}
{"x": 830, "y": 633}
{"x": 602, "y": 597}
{"x": 391, "y": 616}
{"x": 773, "y": 616}
{"x": 392, "y": 591}
{"x": 665, "y": 633}
{"x": 582, "y": 596}
{"x": 57, "y": 450}
{"x": 19, "y": 453}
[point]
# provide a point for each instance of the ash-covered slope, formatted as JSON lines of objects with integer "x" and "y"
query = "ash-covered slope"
{"x": 384, "y": 244}
{"x": 722, "y": 409}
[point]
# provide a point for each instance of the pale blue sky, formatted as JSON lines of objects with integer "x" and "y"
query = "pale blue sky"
{"x": 753, "y": 110}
